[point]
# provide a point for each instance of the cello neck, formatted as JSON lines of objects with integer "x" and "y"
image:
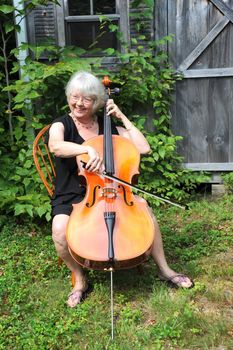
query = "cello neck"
{"x": 108, "y": 146}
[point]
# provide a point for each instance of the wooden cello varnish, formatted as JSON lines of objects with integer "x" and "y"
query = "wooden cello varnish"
{"x": 110, "y": 228}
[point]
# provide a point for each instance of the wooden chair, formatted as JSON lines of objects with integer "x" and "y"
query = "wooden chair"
{"x": 44, "y": 163}
{"x": 43, "y": 160}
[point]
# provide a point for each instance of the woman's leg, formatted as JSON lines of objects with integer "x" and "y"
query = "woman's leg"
{"x": 165, "y": 272}
{"x": 157, "y": 253}
{"x": 59, "y": 237}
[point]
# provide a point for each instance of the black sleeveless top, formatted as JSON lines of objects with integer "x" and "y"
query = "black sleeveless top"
{"x": 67, "y": 181}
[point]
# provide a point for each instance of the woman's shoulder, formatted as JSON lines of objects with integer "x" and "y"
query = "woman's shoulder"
{"x": 64, "y": 119}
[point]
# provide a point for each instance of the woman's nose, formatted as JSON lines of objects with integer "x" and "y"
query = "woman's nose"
{"x": 79, "y": 101}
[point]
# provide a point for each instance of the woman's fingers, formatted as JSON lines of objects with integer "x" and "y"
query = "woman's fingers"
{"x": 111, "y": 107}
{"x": 94, "y": 164}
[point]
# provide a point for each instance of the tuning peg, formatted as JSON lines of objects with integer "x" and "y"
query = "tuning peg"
{"x": 110, "y": 84}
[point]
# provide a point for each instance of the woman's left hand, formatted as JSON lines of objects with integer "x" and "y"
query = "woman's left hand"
{"x": 128, "y": 130}
{"x": 113, "y": 109}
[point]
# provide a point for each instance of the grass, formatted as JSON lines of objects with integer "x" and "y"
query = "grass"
{"x": 147, "y": 313}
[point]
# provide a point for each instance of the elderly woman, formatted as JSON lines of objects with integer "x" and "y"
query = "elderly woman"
{"x": 85, "y": 96}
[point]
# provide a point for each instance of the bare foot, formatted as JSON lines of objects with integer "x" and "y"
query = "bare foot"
{"x": 76, "y": 296}
{"x": 178, "y": 280}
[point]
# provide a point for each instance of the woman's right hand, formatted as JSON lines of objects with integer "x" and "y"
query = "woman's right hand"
{"x": 95, "y": 163}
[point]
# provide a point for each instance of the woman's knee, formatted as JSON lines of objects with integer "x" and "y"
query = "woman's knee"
{"x": 59, "y": 229}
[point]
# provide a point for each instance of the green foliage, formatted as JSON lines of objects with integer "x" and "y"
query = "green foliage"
{"x": 228, "y": 181}
{"x": 211, "y": 231}
{"x": 37, "y": 97}
{"x": 21, "y": 191}
{"x": 147, "y": 313}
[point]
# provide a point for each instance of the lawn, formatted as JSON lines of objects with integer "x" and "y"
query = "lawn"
{"x": 148, "y": 314}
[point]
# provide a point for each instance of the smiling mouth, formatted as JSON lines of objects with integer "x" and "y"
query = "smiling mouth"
{"x": 80, "y": 109}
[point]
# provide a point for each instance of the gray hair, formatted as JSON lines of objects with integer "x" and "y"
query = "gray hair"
{"x": 88, "y": 85}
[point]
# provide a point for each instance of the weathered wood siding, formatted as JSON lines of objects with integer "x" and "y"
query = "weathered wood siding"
{"x": 202, "y": 50}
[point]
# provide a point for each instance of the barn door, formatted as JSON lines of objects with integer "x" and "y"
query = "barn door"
{"x": 202, "y": 50}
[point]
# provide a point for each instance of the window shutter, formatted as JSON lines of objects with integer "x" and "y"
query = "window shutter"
{"x": 146, "y": 24}
{"x": 42, "y": 25}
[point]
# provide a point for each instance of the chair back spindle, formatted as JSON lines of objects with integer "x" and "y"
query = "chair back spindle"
{"x": 43, "y": 160}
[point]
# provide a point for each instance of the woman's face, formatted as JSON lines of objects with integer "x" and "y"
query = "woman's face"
{"x": 81, "y": 106}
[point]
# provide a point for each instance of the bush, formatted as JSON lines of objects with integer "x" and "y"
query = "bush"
{"x": 228, "y": 182}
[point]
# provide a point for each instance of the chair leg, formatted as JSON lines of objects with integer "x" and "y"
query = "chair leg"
{"x": 60, "y": 261}
{"x": 73, "y": 279}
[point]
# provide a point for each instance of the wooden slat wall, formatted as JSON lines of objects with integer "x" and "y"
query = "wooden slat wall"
{"x": 202, "y": 111}
{"x": 189, "y": 120}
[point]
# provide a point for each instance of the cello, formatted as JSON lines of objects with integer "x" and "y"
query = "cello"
{"x": 110, "y": 229}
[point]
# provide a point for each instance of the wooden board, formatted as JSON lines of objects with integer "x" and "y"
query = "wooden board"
{"x": 202, "y": 50}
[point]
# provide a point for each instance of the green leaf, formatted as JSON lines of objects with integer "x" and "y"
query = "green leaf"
{"x": 41, "y": 211}
{"x": 6, "y": 9}
{"x": 103, "y": 18}
{"x": 9, "y": 27}
{"x": 19, "y": 209}
{"x": 162, "y": 152}
{"x": 156, "y": 156}
{"x": 110, "y": 51}
{"x": 141, "y": 37}
{"x": 16, "y": 178}
{"x": 28, "y": 197}
{"x": 18, "y": 133}
{"x": 113, "y": 27}
{"x": 48, "y": 216}
{"x": 29, "y": 210}
{"x": 28, "y": 164}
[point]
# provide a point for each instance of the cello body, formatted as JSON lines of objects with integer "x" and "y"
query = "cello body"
{"x": 127, "y": 240}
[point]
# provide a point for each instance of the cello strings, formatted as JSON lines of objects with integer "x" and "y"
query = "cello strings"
{"x": 141, "y": 190}
{"x": 110, "y": 202}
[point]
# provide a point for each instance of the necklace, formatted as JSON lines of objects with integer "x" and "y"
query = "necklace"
{"x": 82, "y": 125}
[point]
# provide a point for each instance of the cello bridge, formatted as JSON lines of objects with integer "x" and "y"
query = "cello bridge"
{"x": 109, "y": 192}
